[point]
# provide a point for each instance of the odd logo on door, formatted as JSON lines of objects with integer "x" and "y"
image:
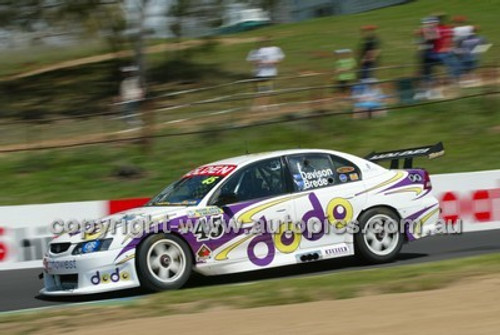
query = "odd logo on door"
{"x": 113, "y": 277}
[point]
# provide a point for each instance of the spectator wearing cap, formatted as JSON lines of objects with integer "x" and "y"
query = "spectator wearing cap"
{"x": 345, "y": 69}
{"x": 369, "y": 51}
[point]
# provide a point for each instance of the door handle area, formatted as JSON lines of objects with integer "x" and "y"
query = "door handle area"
{"x": 281, "y": 210}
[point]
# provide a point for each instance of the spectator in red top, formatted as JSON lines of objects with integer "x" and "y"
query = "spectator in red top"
{"x": 443, "y": 48}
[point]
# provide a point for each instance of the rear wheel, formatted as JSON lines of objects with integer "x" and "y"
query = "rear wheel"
{"x": 379, "y": 239}
{"x": 164, "y": 262}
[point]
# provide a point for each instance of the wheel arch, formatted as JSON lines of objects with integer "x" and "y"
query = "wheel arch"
{"x": 176, "y": 234}
{"x": 386, "y": 206}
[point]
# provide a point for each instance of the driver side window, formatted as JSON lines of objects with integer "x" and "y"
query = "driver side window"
{"x": 260, "y": 180}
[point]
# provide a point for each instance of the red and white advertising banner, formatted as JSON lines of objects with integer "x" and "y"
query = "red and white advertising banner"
{"x": 471, "y": 199}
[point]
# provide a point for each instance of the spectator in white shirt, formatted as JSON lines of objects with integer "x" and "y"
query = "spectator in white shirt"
{"x": 265, "y": 60}
{"x": 131, "y": 94}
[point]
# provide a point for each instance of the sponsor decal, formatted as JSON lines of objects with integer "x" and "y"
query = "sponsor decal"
{"x": 339, "y": 212}
{"x": 353, "y": 176}
{"x": 287, "y": 240}
{"x": 478, "y": 206}
{"x": 201, "y": 212}
{"x": 105, "y": 277}
{"x": 345, "y": 169}
{"x": 210, "y": 180}
{"x": 220, "y": 170}
{"x": 209, "y": 229}
{"x": 343, "y": 178}
{"x": 400, "y": 154}
{"x": 59, "y": 265}
{"x": 436, "y": 154}
{"x": 203, "y": 254}
{"x": 335, "y": 250}
{"x": 316, "y": 178}
{"x": 415, "y": 177}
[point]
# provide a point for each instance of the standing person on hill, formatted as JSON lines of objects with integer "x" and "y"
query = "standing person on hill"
{"x": 444, "y": 47}
{"x": 462, "y": 29}
{"x": 369, "y": 52}
{"x": 426, "y": 37}
{"x": 345, "y": 69}
{"x": 265, "y": 59}
{"x": 469, "y": 50}
{"x": 131, "y": 95}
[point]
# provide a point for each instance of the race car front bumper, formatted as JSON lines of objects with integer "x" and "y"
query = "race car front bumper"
{"x": 89, "y": 273}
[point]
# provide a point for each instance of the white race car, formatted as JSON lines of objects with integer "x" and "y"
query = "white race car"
{"x": 252, "y": 212}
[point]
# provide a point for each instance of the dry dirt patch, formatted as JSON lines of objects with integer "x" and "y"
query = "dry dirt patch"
{"x": 470, "y": 307}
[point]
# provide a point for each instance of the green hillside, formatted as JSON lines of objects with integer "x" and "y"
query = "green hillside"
{"x": 470, "y": 129}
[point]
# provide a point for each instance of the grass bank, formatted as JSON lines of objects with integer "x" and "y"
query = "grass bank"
{"x": 469, "y": 129}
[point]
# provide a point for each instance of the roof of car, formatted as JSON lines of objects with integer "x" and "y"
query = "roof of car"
{"x": 250, "y": 158}
{"x": 368, "y": 168}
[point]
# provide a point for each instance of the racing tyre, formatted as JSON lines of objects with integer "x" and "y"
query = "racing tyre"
{"x": 379, "y": 238}
{"x": 163, "y": 262}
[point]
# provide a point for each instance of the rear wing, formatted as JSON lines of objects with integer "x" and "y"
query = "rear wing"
{"x": 432, "y": 151}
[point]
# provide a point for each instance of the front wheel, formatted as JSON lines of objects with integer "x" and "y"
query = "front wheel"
{"x": 379, "y": 239}
{"x": 164, "y": 262}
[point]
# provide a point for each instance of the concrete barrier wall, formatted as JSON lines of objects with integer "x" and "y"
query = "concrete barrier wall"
{"x": 473, "y": 198}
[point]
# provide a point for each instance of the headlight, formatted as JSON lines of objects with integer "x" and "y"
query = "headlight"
{"x": 92, "y": 246}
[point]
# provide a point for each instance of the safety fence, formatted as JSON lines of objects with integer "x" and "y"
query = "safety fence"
{"x": 229, "y": 106}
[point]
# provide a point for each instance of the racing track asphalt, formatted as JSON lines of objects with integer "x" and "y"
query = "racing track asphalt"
{"x": 19, "y": 288}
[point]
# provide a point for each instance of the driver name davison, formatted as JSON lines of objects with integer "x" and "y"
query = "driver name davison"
{"x": 316, "y": 178}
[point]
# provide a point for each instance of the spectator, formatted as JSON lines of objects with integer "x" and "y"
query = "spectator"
{"x": 265, "y": 59}
{"x": 468, "y": 51}
{"x": 369, "y": 51}
{"x": 461, "y": 29}
{"x": 443, "y": 48}
{"x": 131, "y": 94}
{"x": 368, "y": 99}
{"x": 426, "y": 37}
{"x": 427, "y": 34}
{"x": 345, "y": 69}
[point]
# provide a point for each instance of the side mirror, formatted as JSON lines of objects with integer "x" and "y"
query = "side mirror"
{"x": 226, "y": 198}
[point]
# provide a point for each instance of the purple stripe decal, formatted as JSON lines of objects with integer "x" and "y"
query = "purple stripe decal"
{"x": 413, "y": 217}
{"x": 173, "y": 226}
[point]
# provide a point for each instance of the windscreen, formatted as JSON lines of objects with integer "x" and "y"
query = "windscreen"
{"x": 193, "y": 187}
